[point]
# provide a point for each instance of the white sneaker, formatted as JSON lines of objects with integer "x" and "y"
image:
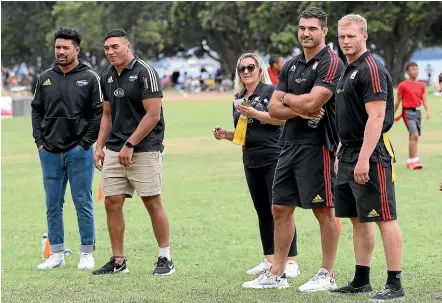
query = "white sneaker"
{"x": 292, "y": 269}
{"x": 86, "y": 261}
{"x": 258, "y": 269}
{"x": 267, "y": 280}
{"x": 54, "y": 260}
{"x": 322, "y": 280}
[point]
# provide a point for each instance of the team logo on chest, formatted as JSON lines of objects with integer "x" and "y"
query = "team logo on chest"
{"x": 81, "y": 83}
{"x": 119, "y": 92}
{"x": 315, "y": 65}
{"x": 293, "y": 68}
{"x": 354, "y": 74}
{"x": 133, "y": 77}
{"x": 110, "y": 80}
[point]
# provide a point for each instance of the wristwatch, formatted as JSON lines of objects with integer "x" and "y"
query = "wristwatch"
{"x": 128, "y": 144}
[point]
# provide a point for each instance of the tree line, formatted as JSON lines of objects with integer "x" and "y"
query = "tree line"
{"x": 158, "y": 29}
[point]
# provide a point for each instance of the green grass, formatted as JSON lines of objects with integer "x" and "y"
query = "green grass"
{"x": 213, "y": 226}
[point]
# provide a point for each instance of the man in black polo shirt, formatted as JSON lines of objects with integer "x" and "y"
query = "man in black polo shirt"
{"x": 132, "y": 128}
{"x": 364, "y": 188}
{"x": 304, "y": 173}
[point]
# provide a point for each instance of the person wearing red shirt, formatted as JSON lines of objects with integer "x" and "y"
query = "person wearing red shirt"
{"x": 412, "y": 94}
{"x": 276, "y": 62}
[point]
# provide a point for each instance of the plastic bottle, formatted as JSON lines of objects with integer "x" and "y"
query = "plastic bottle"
{"x": 43, "y": 244}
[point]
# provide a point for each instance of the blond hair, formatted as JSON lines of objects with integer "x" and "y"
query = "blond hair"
{"x": 263, "y": 76}
{"x": 354, "y": 19}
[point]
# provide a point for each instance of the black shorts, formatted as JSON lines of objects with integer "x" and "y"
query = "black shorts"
{"x": 370, "y": 202}
{"x": 304, "y": 177}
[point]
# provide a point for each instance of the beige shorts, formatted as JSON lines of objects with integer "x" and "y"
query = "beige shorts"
{"x": 144, "y": 175}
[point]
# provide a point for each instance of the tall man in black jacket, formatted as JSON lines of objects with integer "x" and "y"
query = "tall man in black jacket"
{"x": 66, "y": 113}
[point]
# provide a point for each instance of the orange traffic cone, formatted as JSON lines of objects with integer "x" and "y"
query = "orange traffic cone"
{"x": 340, "y": 225}
{"x": 47, "y": 252}
{"x": 100, "y": 196}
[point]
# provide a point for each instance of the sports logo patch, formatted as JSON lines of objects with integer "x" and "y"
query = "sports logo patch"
{"x": 315, "y": 65}
{"x": 81, "y": 83}
{"x": 110, "y": 80}
{"x": 354, "y": 74}
{"x": 47, "y": 82}
{"x": 293, "y": 68}
{"x": 119, "y": 92}
{"x": 317, "y": 199}
{"x": 133, "y": 77}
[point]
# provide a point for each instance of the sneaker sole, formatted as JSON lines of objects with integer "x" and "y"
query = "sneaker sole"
{"x": 126, "y": 271}
{"x": 389, "y": 300}
{"x": 58, "y": 266}
{"x": 266, "y": 287}
{"x": 350, "y": 293}
{"x": 316, "y": 290}
{"x": 166, "y": 274}
{"x": 86, "y": 267}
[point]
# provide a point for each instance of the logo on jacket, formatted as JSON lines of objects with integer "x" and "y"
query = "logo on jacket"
{"x": 119, "y": 92}
{"x": 82, "y": 83}
{"x": 47, "y": 82}
{"x": 110, "y": 80}
{"x": 133, "y": 77}
{"x": 354, "y": 74}
{"x": 315, "y": 65}
{"x": 293, "y": 68}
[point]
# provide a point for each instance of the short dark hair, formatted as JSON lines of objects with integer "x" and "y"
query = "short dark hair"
{"x": 274, "y": 59}
{"x": 315, "y": 12}
{"x": 410, "y": 64}
{"x": 69, "y": 34}
{"x": 440, "y": 77}
{"x": 116, "y": 33}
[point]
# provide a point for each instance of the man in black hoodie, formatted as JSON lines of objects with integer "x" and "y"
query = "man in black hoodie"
{"x": 66, "y": 113}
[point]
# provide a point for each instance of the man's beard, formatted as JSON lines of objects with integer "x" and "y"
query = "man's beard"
{"x": 66, "y": 63}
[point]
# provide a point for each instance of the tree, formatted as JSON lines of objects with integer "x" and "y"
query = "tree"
{"x": 24, "y": 28}
{"x": 398, "y": 29}
{"x": 224, "y": 26}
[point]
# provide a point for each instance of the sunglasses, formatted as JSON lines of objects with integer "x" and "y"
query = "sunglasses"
{"x": 242, "y": 68}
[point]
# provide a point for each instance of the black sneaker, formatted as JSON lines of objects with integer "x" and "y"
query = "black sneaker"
{"x": 164, "y": 267}
{"x": 112, "y": 268}
{"x": 349, "y": 289}
{"x": 388, "y": 293}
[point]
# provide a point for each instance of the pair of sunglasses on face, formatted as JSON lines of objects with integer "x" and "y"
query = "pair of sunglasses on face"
{"x": 241, "y": 68}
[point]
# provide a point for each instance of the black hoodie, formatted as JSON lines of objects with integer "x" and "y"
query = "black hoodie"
{"x": 67, "y": 108}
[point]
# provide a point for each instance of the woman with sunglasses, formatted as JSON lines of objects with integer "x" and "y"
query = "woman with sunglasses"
{"x": 260, "y": 151}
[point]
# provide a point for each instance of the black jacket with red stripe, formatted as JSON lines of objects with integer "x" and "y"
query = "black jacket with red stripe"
{"x": 300, "y": 77}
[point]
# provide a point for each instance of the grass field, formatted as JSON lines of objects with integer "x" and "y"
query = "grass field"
{"x": 213, "y": 226}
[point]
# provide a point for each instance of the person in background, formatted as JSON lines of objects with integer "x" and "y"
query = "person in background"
{"x": 412, "y": 94}
{"x": 276, "y": 63}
